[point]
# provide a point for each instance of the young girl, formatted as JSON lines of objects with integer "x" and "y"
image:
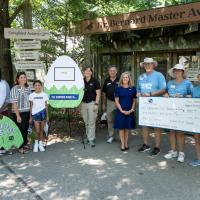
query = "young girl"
{"x": 19, "y": 97}
{"x": 38, "y": 113}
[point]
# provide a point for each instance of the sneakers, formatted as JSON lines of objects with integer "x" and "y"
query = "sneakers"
{"x": 92, "y": 144}
{"x": 195, "y": 163}
{"x": 171, "y": 154}
{"x": 155, "y": 151}
{"x": 144, "y": 148}
{"x": 35, "y": 148}
{"x": 181, "y": 157}
{"x": 110, "y": 140}
{"x": 41, "y": 147}
{"x": 2, "y": 152}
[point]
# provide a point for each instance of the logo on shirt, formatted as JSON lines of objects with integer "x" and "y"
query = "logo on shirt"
{"x": 146, "y": 86}
{"x": 38, "y": 97}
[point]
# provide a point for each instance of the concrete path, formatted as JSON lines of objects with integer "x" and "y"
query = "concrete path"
{"x": 66, "y": 171}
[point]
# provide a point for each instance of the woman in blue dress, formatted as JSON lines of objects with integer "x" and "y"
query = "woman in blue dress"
{"x": 177, "y": 88}
{"x": 196, "y": 94}
{"x": 125, "y": 100}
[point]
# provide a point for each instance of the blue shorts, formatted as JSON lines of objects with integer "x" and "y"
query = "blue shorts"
{"x": 40, "y": 116}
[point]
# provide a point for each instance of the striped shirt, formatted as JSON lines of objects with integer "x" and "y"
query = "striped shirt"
{"x": 20, "y": 95}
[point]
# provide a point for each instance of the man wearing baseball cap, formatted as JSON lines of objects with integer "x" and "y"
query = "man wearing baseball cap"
{"x": 150, "y": 83}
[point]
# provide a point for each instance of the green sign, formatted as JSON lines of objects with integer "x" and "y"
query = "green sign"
{"x": 10, "y": 134}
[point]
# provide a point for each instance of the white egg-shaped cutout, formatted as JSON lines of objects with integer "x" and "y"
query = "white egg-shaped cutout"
{"x": 3, "y": 93}
{"x": 64, "y": 83}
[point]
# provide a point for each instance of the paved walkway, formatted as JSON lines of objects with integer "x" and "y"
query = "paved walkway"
{"x": 66, "y": 171}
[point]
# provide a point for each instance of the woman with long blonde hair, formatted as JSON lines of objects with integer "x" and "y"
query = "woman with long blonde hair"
{"x": 125, "y": 100}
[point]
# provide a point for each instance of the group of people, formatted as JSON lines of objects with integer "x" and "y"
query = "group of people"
{"x": 27, "y": 108}
{"x": 119, "y": 101}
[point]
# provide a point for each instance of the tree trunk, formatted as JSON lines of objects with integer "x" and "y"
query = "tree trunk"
{"x": 5, "y": 53}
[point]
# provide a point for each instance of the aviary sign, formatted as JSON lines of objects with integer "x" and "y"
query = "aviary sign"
{"x": 158, "y": 17}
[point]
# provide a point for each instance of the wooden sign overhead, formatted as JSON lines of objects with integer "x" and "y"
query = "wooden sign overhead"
{"x": 158, "y": 17}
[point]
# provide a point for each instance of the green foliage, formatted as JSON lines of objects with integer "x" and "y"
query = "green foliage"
{"x": 58, "y": 16}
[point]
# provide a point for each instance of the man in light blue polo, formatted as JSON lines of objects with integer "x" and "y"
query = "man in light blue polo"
{"x": 150, "y": 83}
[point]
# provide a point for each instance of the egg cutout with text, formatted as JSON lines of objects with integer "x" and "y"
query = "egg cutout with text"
{"x": 64, "y": 83}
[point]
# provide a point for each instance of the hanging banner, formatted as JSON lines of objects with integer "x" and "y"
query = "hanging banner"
{"x": 170, "y": 113}
{"x": 10, "y": 134}
{"x": 3, "y": 93}
{"x": 14, "y": 33}
{"x": 22, "y": 65}
{"x": 64, "y": 83}
{"x": 21, "y": 45}
{"x": 27, "y": 55}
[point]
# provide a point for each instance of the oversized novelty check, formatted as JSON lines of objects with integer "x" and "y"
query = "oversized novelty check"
{"x": 170, "y": 113}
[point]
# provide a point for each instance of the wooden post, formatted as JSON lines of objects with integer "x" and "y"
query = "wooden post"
{"x": 27, "y": 14}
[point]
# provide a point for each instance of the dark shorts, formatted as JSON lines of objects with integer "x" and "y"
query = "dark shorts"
{"x": 40, "y": 116}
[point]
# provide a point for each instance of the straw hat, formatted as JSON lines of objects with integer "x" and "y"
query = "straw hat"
{"x": 149, "y": 60}
{"x": 177, "y": 66}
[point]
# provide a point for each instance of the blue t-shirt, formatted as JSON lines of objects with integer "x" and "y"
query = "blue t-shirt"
{"x": 183, "y": 88}
{"x": 196, "y": 92}
{"x": 153, "y": 82}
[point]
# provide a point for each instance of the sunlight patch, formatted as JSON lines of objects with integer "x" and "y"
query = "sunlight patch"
{"x": 91, "y": 161}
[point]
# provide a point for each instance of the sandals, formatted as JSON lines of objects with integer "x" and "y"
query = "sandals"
{"x": 23, "y": 150}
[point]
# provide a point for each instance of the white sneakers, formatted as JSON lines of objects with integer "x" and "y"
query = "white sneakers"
{"x": 181, "y": 157}
{"x": 110, "y": 140}
{"x": 173, "y": 154}
{"x": 35, "y": 148}
{"x": 38, "y": 145}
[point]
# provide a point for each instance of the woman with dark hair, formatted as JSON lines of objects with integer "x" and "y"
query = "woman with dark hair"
{"x": 90, "y": 103}
{"x": 19, "y": 97}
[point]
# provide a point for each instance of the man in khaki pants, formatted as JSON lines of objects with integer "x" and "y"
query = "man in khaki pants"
{"x": 109, "y": 100}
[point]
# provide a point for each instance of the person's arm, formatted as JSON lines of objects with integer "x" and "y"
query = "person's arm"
{"x": 16, "y": 111}
{"x": 96, "y": 104}
{"x": 133, "y": 106}
{"x": 138, "y": 89}
{"x": 158, "y": 93}
{"x": 118, "y": 105}
{"x": 162, "y": 87}
{"x": 104, "y": 102}
{"x": 30, "y": 117}
{"x": 47, "y": 111}
{"x": 14, "y": 99}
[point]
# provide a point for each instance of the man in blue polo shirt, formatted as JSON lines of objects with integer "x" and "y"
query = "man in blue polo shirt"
{"x": 150, "y": 83}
